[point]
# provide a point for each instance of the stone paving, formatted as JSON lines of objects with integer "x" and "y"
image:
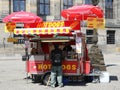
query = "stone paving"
{"x": 12, "y": 74}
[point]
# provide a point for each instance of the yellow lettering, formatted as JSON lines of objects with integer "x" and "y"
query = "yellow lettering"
{"x": 63, "y": 67}
{"x": 49, "y": 66}
{"x": 62, "y": 24}
{"x": 39, "y": 66}
{"x": 68, "y": 67}
{"x": 74, "y": 67}
{"x": 57, "y": 24}
{"x": 50, "y": 24}
{"x": 54, "y": 24}
{"x": 39, "y": 25}
{"x": 44, "y": 67}
{"x": 45, "y": 24}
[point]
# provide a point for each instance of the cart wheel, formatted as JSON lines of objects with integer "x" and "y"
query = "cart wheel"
{"x": 36, "y": 78}
{"x": 46, "y": 79}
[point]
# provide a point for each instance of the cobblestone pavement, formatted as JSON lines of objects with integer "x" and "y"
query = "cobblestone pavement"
{"x": 12, "y": 74}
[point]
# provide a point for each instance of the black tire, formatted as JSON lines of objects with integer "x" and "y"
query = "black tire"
{"x": 46, "y": 79}
{"x": 36, "y": 78}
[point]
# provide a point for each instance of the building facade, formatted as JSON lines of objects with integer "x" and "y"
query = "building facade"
{"x": 108, "y": 38}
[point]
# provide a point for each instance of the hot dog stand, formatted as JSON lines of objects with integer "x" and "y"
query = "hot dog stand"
{"x": 42, "y": 36}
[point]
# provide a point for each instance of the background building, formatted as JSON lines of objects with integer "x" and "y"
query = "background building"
{"x": 109, "y": 40}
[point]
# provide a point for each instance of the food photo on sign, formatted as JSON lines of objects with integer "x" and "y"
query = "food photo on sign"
{"x": 10, "y": 26}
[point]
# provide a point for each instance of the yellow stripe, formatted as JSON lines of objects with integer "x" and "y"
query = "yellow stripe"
{"x": 37, "y": 31}
{"x": 67, "y": 30}
{"x": 55, "y": 30}
{"x": 15, "y": 32}
{"x": 20, "y": 32}
{"x": 31, "y": 32}
{"x": 26, "y": 31}
{"x": 43, "y": 31}
{"x": 49, "y": 30}
{"x": 61, "y": 30}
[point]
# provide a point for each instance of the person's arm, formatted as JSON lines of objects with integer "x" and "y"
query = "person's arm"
{"x": 70, "y": 48}
{"x": 64, "y": 49}
{"x": 51, "y": 55}
{"x": 63, "y": 55}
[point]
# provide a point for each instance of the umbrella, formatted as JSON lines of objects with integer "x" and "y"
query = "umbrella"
{"x": 22, "y": 17}
{"x": 82, "y": 12}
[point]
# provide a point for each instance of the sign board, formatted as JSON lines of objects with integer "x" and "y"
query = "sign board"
{"x": 74, "y": 25}
{"x": 98, "y": 23}
{"x": 78, "y": 43}
{"x": 91, "y": 22}
{"x": 12, "y": 40}
{"x": 43, "y": 66}
{"x": 10, "y": 26}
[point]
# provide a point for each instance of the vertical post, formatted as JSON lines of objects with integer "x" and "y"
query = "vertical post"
{"x": 26, "y": 54}
{"x": 26, "y": 46}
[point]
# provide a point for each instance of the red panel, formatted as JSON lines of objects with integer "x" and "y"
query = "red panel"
{"x": 38, "y": 66}
{"x": 44, "y": 66}
{"x": 86, "y": 67}
{"x": 70, "y": 66}
{"x": 75, "y": 25}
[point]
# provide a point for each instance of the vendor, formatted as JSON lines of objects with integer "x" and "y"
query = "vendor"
{"x": 34, "y": 51}
{"x": 67, "y": 48}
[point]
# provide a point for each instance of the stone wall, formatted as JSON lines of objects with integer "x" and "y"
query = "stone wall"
{"x": 31, "y": 6}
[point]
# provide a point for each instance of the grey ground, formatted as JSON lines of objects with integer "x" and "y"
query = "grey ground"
{"x": 12, "y": 74}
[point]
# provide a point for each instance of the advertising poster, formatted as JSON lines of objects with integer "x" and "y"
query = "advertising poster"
{"x": 78, "y": 45}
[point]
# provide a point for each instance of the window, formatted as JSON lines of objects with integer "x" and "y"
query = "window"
{"x": 109, "y": 9}
{"x": 67, "y": 4}
{"x": 43, "y": 7}
{"x": 18, "y": 5}
{"x": 110, "y": 37}
{"x": 89, "y": 37}
{"x": 88, "y": 2}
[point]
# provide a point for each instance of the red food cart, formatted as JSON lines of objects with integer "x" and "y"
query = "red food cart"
{"x": 76, "y": 64}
